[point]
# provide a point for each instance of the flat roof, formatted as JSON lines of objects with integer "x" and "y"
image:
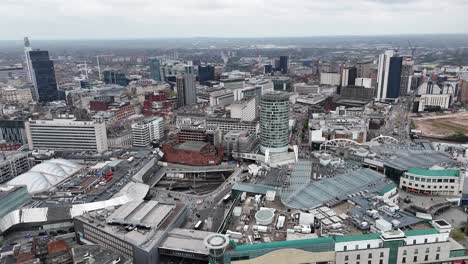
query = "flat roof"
{"x": 252, "y": 188}
{"x": 286, "y": 244}
{"x": 435, "y": 173}
{"x": 187, "y": 240}
{"x": 421, "y": 232}
{"x": 339, "y": 239}
{"x": 191, "y": 145}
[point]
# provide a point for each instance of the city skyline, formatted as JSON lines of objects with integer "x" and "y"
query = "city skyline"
{"x": 150, "y": 19}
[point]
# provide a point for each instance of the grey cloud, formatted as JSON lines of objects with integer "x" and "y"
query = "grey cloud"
{"x": 250, "y": 18}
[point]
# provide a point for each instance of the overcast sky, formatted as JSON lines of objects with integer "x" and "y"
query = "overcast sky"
{"x": 124, "y": 19}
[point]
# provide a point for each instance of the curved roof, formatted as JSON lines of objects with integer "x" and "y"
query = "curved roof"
{"x": 130, "y": 192}
{"x": 46, "y": 175}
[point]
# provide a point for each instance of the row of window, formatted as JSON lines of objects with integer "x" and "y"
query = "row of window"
{"x": 416, "y": 250}
{"x": 429, "y": 186}
{"x": 415, "y": 259}
{"x": 370, "y": 255}
{"x": 428, "y": 180}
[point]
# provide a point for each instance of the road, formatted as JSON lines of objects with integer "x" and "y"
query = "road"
{"x": 397, "y": 123}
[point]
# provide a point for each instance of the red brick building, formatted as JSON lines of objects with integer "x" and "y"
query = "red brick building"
{"x": 123, "y": 111}
{"x": 98, "y": 106}
{"x": 157, "y": 104}
{"x": 193, "y": 153}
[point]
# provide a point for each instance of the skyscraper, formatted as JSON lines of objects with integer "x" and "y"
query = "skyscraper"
{"x": 27, "y": 49}
{"x": 274, "y": 122}
{"x": 206, "y": 73}
{"x": 283, "y": 64}
{"x": 348, "y": 76}
{"x": 180, "y": 88}
{"x": 190, "y": 89}
{"x": 43, "y": 76}
{"x": 406, "y": 73}
{"x": 389, "y": 76}
{"x": 155, "y": 67}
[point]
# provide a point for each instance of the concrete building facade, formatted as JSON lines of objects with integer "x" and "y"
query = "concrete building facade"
{"x": 274, "y": 122}
{"x": 67, "y": 134}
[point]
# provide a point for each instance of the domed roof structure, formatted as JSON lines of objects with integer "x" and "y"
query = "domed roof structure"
{"x": 46, "y": 175}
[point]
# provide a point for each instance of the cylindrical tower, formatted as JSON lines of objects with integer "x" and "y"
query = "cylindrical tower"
{"x": 274, "y": 122}
{"x": 216, "y": 244}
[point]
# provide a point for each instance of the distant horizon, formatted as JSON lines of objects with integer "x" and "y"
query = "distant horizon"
{"x": 32, "y": 39}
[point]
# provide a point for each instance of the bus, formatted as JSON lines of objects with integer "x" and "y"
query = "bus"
{"x": 226, "y": 198}
{"x": 198, "y": 225}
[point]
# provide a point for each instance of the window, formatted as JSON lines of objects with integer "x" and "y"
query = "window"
{"x": 414, "y": 241}
{"x": 439, "y": 180}
{"x": 426, "y": 258}
{"x": 416, "y": 185}
{"x": 422, "y": 186}
{"x": 415, "y": 259}
{"x": 446, "y": 187}
{"x": 356, "y": 247}
{"x": 381, "y": 261}
{"x": 416, "y": 251}
{"x": 368, "y": 245}
{"x": 370, "y": 255}
{"x": 358, "y": 256}
{"x": 437, "y": 239}
{"x": 345, "y": 248}
{"x": 452, "y": 180}
{"x": 381, "y": 254}
{"x": 446, "y": 180}
{"x": 404, "y": 252}
{"x": 452, "y": 187}
{"x": 425, "y": 241}
{"x": 403, "y": 260}
{"x": 346, "y": 257}
{"x": 369, "y": 262}
{"x": 427, "y": 250}
{"x": 437, "y": 256}
{"x": 438, "y": 248}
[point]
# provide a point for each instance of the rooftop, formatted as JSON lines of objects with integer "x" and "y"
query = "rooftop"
{"x": 339, "y": 239}
{"x": 421, "y": 232}
{"x": 191, "y": 146}
{"x": 286, "y": 244}
{"x": 306, "y": 194}
{"x": 435, "y": 173}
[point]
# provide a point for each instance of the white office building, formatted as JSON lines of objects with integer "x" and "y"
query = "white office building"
{"x": 67, "y": 134}
{"x": 330, "y": 78}
{"x": 245, "y": 110}
{"x": 366, "y": 82}
{"x": 143, "y": 133}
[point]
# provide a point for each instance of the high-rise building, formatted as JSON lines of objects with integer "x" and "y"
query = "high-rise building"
{"x": 43, "y": 76}
{"x": 67, "y": 134}
{"x": 27, "y": 49}
{"x": 111, "y": 77}
{"x": 406, "y": 73}
{"x": 283, "y": 64}
{"x": 180, "y": 89}
{"x": 348, "y": 76}
{"x": 12, "y": 132}
{"x": 206, "y": 73}
{"x": 155, "y": 67}
{"x": 186, "y": 87}
{"x": 364, "y": 69}
{"x": 274, "y": 122}
{"x": 190, "y": 89}
{"x": 389, "y": 76}
{"x": 145, "y": 132}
